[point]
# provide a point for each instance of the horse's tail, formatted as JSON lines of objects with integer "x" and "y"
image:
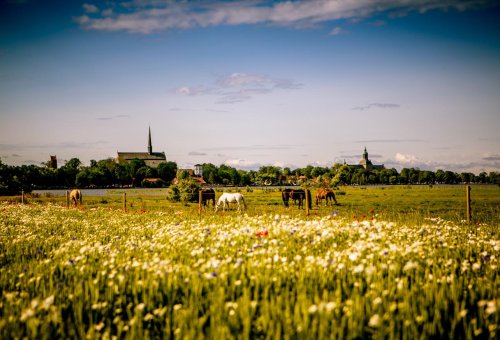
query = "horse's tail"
{"x": 308, "y": 193}
{"x": 243, "y": 200}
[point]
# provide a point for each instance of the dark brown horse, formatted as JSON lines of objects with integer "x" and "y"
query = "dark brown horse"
{"x": 297, "y": 195}
{"x": 207, "y": 195}
{"x": 325, "y": 194}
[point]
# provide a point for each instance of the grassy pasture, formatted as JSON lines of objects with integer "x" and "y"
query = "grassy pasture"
{"x": 388, "y": 262}
{"x": 412, "y": 203}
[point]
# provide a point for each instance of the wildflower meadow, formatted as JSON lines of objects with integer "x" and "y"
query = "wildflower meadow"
{"x": 99, "y": 272}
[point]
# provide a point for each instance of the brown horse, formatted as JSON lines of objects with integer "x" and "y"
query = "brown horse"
{"x": 297, "y": 195}
{"x": 76, "y": 197}
{"x": 325, "y": 194}
{"x": 207, "y": 195}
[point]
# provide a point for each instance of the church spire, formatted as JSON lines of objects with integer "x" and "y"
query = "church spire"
{"x": 150, "y": 146}
{"x": 365, "y": 154}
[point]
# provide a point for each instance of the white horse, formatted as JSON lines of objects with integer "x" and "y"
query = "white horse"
{"x": 227, "y": 198}
{"x": 76, "y": 197}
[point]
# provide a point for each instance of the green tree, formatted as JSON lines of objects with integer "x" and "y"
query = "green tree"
{"x": 210, "y": 173}
{"x": 427, "y": 177}
{"x": 318, "y": 171}
{"x": 167, "y": 171}
{"x": 122, "y": 174}
{"x": 269, "y": 175}
{"x": 67, "y": 173}
{"x": 440, "y": 176}
{"x": 185, "y": 190}
{"x": 133, "y": 167}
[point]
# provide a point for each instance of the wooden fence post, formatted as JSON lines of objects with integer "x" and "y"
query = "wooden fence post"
{"x": 125, "y": 201}
{"x": 200, "y": 199}
{"x": 22, "y": 196}
{"x": 67, "y": 198}
{"x": 467, "y": 195}
{"x": 307, "y": 201}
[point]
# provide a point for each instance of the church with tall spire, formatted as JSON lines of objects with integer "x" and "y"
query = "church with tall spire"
{"x": 152, "y": 159}
{"x": 366, "y": 164}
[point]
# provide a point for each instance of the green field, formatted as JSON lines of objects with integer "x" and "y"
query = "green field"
{"x": 388, "y": 262}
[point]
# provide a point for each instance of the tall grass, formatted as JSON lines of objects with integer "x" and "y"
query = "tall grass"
{"x": 344, "y": 272}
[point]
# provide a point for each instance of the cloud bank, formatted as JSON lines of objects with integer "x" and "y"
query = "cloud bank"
{"x": 239, "y": 87}
{"x": 377, "y": 105}
{"x": 150, "y": 16}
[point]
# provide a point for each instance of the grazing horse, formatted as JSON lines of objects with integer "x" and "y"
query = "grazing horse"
{"x": 227, "y": 198}
{"x": 325, "y": 194}
{"x": 75, "y": 197}
{"x": 294, "y": 194}
{"x": 207, "y": 195}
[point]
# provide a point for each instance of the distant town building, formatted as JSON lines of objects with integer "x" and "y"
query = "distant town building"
{"x": 194, "y": 174}
{"x": 198, "y": 170}
{"x": 52, "y": 163}
{"x": 366, "y": 164}
{"x": 152, "y": 159}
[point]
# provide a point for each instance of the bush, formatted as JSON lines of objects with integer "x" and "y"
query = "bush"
{"x": 186, "y": 190}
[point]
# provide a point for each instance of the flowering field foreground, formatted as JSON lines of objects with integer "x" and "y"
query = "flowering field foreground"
{"x": 97, "y": 272}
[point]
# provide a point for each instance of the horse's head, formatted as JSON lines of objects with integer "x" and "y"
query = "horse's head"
{"x": 285, "y": 195}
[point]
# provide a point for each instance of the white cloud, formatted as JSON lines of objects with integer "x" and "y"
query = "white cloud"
{"x": 336, "y": 31}
{"x": 242, "y": 79}
{"x": 186, "y": 91}
{"x": 406, "y": 159}
{"x": 377, "y": 105}
{"x": 196, "y": 153}
{"x": 244, "y": 164}
{"x": 193, "y": 90}
{"x": 491, "y": 157}
{"x": 89, "y": 8}
{"x": 153, "y": 16}
{"x": 411, "y": 161}
{"x": 239, "y": 87}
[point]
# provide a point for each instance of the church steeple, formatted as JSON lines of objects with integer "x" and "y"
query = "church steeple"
{"x": 150, "y": 146}
{"x": 365, "y": 155}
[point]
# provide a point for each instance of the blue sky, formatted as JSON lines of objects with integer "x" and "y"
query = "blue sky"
{"x": 252, "y": 83}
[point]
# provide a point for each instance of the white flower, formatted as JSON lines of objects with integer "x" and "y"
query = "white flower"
{"x": 374, "y": 321}
{"x": 313, "y": 309}
{"x": 491, "y": 307}
{"x": 27, "y": 313}
{"x": 353, "y": 256}
{"x": 48, "y": 302}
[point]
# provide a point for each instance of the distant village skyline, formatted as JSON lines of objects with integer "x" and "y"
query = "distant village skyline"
{"x": 153, "y": 159}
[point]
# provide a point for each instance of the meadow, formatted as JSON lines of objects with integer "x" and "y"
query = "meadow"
{"x": 388, "y": 262}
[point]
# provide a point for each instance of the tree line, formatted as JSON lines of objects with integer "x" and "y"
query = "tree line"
{"x": 108, "y": 173}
